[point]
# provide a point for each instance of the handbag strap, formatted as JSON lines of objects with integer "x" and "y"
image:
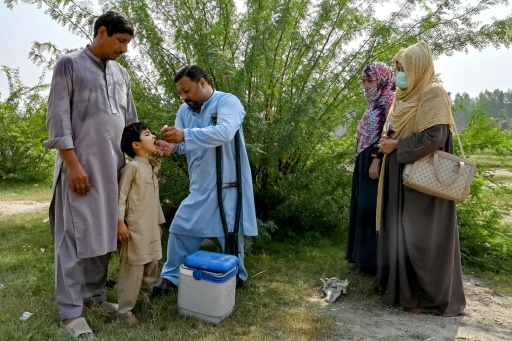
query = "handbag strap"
{"x": 458, "y": 138}
{"x": 438, "y": 176}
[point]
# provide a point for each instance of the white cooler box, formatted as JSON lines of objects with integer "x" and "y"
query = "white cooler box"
{"x": 206, "y": 287}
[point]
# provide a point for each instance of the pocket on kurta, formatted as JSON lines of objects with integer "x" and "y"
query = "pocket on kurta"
{"x": 121, "y": 97}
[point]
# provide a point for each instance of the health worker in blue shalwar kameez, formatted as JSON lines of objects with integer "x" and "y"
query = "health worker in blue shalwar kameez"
{"x": 196, "y": 135}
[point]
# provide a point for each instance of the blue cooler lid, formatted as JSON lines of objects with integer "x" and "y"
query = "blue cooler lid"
{"x": 211, "y": 261}
{"x": 213, "y": 276}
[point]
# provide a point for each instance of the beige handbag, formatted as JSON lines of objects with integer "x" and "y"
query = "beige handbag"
{"x": 441, "y": 174}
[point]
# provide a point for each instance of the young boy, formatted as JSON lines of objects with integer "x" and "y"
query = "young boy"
{"x": 139, "y": 217}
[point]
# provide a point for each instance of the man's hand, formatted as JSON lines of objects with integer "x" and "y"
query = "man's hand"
{"x": 78, "y": 179}
{"x": 173, "y": 134}
{"x": 163, "y": 148}
{"x": 123, "y": 234}
{"x": 374, "y": 171}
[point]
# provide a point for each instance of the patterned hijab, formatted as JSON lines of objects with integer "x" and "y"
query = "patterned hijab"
{"x": 380, "y": 98}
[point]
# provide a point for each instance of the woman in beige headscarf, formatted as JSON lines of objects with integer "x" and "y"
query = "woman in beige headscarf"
{"x": 418, "y": 250}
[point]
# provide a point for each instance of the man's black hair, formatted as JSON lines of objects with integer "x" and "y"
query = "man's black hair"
{"x": 194, "y": 72}
{"x": 114, "y": 22}
{"x": 131, "y": 133}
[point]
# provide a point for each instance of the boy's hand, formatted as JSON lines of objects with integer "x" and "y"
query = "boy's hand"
{"x": 163, "y": 148}
{"x": 122, "y": 231}
{"x": 161, "y": 232}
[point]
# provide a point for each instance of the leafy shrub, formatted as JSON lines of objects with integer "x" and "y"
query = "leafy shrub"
{"x": 22, "y": 117}
{"x": 315, "y": 199}
{"x": 486, "y": 240}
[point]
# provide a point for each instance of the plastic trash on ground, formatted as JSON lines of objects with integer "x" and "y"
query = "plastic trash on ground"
{"x": 25, "y": 316}
{"x": 333, "y": 288}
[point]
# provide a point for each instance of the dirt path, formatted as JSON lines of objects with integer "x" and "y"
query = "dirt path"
{"x": 488, "y": 315}
{"x": 14, "y": 207}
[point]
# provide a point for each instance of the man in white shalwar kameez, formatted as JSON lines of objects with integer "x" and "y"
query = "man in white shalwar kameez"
{"x": 197, "y": 136}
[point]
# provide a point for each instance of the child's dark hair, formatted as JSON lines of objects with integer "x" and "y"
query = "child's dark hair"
{"x": 131, "y": 133}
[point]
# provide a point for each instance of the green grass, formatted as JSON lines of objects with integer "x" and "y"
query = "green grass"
{"x": 277, "y": 304}
{"x": 492, "y": 161}
{"x": 281, "y": 301}
{"x": 11, "y": 190}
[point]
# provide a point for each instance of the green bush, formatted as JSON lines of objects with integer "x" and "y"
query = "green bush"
{"x": 316, "y": 199}
{"x": 22, "y": 117}
{"x": 486, "y": 240}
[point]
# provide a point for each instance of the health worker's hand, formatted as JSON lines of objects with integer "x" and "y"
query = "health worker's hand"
{"x": 173, "y": 134}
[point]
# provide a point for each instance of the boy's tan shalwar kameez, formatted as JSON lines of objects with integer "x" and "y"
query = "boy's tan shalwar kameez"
{"x": 139, "y": 207}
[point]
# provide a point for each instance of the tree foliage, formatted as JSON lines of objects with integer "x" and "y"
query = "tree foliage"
{"x": 22, "y": 117}
{"x": 486, "y": 239}
{"x": 496, "y": 103}
{"x": 294, "y": 64}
